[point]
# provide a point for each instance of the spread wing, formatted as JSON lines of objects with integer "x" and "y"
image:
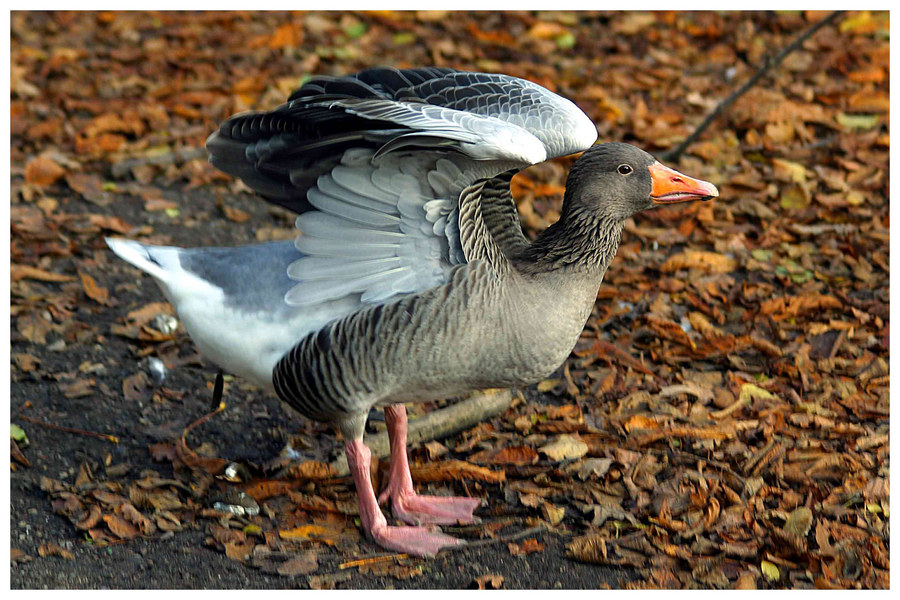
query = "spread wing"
{"x": 398, "y": 175}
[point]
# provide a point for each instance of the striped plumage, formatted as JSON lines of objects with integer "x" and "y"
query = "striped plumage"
{"x": 410, "y": 278}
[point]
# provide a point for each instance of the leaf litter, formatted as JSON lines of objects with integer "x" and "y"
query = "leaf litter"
{"x": 723, "y": 421}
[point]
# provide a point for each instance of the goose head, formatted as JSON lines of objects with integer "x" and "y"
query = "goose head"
{"x": 614, "y": 181}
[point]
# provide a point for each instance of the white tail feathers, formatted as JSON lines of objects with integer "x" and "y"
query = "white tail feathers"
{"x": 141, "y": 256}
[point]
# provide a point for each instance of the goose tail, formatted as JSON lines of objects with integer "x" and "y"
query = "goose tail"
{"x": 147, "y": 258}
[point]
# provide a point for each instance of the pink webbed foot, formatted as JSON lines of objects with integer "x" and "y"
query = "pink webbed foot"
{"x": 418, "y": 541}
{"x": 410, "y": 507}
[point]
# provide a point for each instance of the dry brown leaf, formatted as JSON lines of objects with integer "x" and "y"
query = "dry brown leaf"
{"x": 454, "y": 470}
{"x": 51, "y": 549}
{"x": 268, "y": 488}
{"x": 787, "y": 307}
{"x": 552, "y": 513}
{"x": 43, "y": 171}
{"x": 302, "y": 564}
{"x": 515, "y": 455}
{"x": 490, "y": 581}
{"x": 527, "y": 547}
{"x": 711, "y": 262}
{"x": 78, "y": 388}
{"x": 565, "y": 447}
{"x": 120, "y": 527}
{"x": 18, "y": 272}
{"x": 239, "y": 551}
{"x": 33, "y": 327}
{"x": 91, "y": 518}
{"x": 311, "y": 469}
{"x": 25, "y": 362}
{"x": 93, "y": 291}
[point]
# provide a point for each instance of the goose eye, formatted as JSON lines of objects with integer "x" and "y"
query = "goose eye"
{"x": 624, "y": 169}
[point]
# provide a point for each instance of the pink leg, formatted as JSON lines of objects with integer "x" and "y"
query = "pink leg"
{"x": 408, "y": 506}
{"x": 418, "y": 541}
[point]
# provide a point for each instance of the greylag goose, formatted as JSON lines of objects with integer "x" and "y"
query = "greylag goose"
{"x": 410, "y": 278}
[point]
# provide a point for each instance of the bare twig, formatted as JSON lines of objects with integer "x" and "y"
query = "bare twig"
{"x": 675, "y": 153}
{"x": 440, "y": 423}
{"x": 506, "y": 538}
{"x": 102, "y": 436}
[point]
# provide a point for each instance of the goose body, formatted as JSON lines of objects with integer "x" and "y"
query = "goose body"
{"x": 410, "y": 278}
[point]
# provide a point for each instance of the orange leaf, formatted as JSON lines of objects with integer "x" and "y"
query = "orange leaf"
{"x": 312, "y": 532}
{"x": 712, "y": 262}
{"x": 94, "y": 291}
{"x": 311, "y": 469}
{"x": 43, "y": 171}
{"x": 516, "y": 455}
{"x": 641, "y": 422}
{"x": 119, "y": 526}
{"x": 17, "y": 272}
{"x": 786, "y": 307}
{"x": 455, "y": 470}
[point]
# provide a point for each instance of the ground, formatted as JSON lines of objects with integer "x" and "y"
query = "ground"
{"x": 722, "y": 423}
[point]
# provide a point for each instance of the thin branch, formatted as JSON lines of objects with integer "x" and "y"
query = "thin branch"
{"x": 675, "y": 153}
{"x": 102, "y": 436}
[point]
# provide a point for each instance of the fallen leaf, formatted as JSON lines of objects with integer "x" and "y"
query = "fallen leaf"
{"x": 302, "y": 564}
{"x": 512, "y": 455}
{"x": 330, "y": 536}
{"x": 799, "y": 521}
{"x": 18, "y": 272}
{"x": 310, "y": 469}
{"x": 26, "y": 363}
{"x": 120, "y": 527}
{"x": 770, "y": 571}
{"x": 33, "y": 327}
{"x": 711, "y": 262}
{"x": 489, "y": 582}
{"x": 78, "y": 388}
{"x": 554, "y": 514}
{"x": 565, "y": 447}
{"x": 94, "y": 291}
{"x": 43, "y": 171}
{"x": 51, "y": 549}
{"x": 454, "y": 470}
{"x": 786, "y": 307}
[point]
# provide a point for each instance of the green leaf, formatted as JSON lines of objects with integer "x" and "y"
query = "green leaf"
{"x": 565, "y": 41}
{"x": 18, "y": 434}
{"x": 857, "y": 121}
{"x": 403, "y": 38}
{"x": 355, "y": 30}
{"x": 761, "y": 254}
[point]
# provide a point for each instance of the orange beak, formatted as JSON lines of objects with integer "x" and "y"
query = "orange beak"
{"x": 670, "y": 186}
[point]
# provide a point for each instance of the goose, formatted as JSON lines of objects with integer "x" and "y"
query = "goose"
{"x": 410, "y": 278}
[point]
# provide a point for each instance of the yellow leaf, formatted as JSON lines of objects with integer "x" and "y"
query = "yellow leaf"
{"x": 310, "y": 532}
{"x": 770, "y": 571}
{"x": 754, "y": 392}
{"x": 786, "y": 170}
